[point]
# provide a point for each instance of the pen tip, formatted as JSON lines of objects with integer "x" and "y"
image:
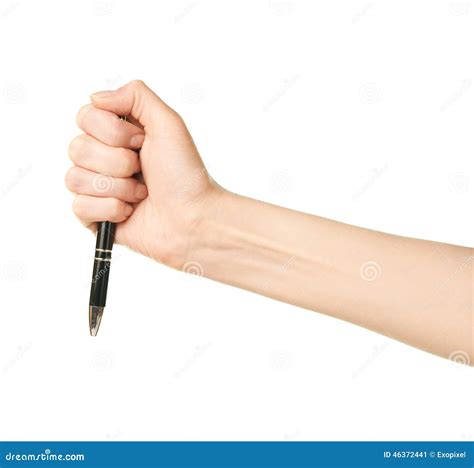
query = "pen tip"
{"x": 95, "y": 316}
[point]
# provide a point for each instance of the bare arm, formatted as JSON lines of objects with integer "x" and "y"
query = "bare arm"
{"x": 168, "y": 208}
{"x": 415, "y": 291}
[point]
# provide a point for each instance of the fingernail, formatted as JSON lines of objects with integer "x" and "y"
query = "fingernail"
{"x": 102, "y": 94}
{"x": 141, "y": 191}
{"x": 128, "y": 210}
{"x": 137, "y": 141}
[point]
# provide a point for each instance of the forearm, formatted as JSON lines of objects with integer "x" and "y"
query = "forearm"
{"x": 416, "y": 291}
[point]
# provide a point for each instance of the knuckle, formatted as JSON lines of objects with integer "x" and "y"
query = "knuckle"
{"x": 126, "y": 164}
{"x": 76, "y": 147}
{"x": 72, "y": 180}
{"x": 81, "y": 115}
{"x": 117, "y": 209}
{"x": 138, "y": 84}
{"x": 78, "y": 207}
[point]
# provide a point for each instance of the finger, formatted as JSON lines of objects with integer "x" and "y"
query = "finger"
{"x": 135, "y": 99}
{"x": 85, "y": 182}
{"x": 87, "y": 152}
{"x": 93, "y": 209}
{"x": 108, "y": 128}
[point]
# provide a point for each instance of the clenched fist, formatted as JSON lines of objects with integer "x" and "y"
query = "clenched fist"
{"x": 143, "y": 172}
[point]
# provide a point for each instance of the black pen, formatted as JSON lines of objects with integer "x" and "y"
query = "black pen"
{"x": 100, "y": 274}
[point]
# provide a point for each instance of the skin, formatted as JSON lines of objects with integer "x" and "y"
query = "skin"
{"x": 169, "y": 208}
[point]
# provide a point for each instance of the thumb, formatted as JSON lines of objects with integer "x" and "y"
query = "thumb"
{"x": 134, "y": 99}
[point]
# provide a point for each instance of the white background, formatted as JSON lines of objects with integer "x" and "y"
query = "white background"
{"x": 358, "y": 111}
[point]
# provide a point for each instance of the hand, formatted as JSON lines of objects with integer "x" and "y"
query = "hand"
{"x": 156, "y": 196}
